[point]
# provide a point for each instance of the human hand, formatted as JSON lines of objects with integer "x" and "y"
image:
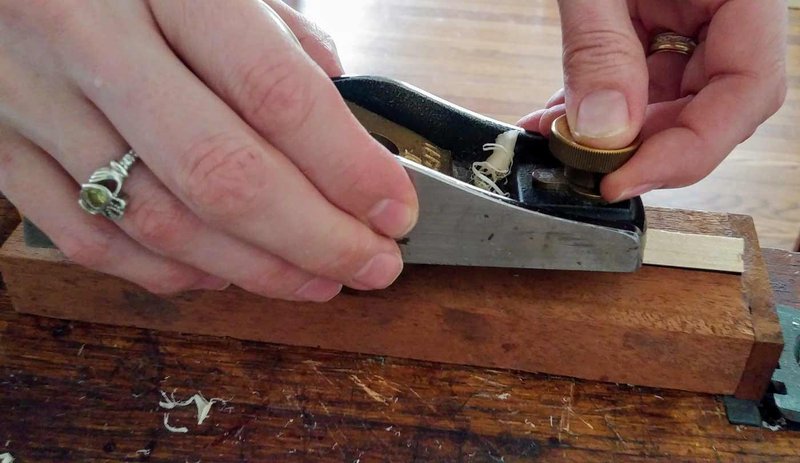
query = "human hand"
{"x": 252, "y": 170}
{"x": 691, "y": 111}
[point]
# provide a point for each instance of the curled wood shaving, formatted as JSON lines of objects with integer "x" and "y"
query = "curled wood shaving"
{"x": 486, "y": 174}
{"x": 173, "y": 428}
{"x": 771, "y": 427}
{"x": 6, "y": 458}
{"x": 203, "y": 408}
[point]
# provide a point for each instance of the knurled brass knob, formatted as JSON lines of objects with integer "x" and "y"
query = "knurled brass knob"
{"x": 581, "y": 157}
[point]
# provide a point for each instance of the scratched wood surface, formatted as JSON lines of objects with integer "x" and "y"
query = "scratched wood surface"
{"x": 682, "y": 329}
{"x": 79, "y": 392}
{"x": 503, "y": 58}
{"x": 88, "y": 393}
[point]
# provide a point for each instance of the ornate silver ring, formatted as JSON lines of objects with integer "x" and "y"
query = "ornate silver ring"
{"x": 102, "y": 194}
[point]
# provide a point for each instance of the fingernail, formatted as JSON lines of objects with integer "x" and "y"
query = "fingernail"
{"x": 319, "y": 290}
{"x": 380, "y": 271}
{"x": 602, "y": 114}
{"x": 213, "y": 283}
{"x": 392, "y": 218}
{"x": 636, "y": 191}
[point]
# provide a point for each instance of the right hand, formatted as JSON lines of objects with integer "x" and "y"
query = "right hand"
{"x": 691, "y": 110}
{"x": 252, "y": 170}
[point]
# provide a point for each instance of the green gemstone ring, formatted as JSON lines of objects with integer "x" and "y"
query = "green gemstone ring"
{"x": 102, "y": 194}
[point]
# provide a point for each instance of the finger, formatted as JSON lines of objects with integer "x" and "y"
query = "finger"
{"x": 741, "y": 94}
{"x": 47, "y": 196}
{"x": 291, "y": 103}
{"x": 557, "y": 99}
{"x": 663, "y": 116}
{"x": 316, "y": 42}
{"x": 605, "y": 73}
{"x": 542, "y": 120}
{"x": 666, "y": 75}
{"x": 81, "y": 139}
{"x": 215, "y": 164}
{"x": 550, "y": 115}
{"x": 694, "y": 75}
{"x": 533, "y": 120}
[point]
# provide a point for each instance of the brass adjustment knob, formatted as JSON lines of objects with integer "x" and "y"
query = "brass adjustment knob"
{"x": 585, "y": 158}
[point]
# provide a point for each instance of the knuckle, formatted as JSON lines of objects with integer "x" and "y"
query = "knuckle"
{"x": 223, "y": 176}
{"x": 326, "y": 46}
{"x": 356, "y": 180}
{"x": 601, "y": 51}
{"x": 170, "y": 281}
{"x": 780, "y": 93}
{"x": 327, "y": 42}
{"x": 55, "y": 19}
{"x": 349, "y": 256}
{"x": 278, "y": 90}
{"x": 692, "y": 177}
{"x": 159, "y": 222}
{"x": 45, "y": 12}
{"x": 91, "y": 250}
{"x": 275, "y": 281}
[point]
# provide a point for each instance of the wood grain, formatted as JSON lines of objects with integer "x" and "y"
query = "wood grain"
{"x": 755, "y": 285}
{"x": 503, "y": 58}
{"x": 82, "y": 392}
{"x": 674, "y": 328}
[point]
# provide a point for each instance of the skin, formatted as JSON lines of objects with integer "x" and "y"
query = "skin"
{"x": 252, "y": 170}
{"x": 691, "y": 111}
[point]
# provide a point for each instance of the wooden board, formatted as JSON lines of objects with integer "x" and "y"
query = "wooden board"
{"x": 664, "y": 327}
{"x": 59, "y": 379}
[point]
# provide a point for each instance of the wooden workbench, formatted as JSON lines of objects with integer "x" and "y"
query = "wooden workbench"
{"x": 78, "y": 392}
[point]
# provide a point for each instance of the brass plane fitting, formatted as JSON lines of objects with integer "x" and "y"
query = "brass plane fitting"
{"x": 584, "y": 165}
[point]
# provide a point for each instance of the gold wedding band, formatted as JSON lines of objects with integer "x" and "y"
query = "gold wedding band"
{"x": 672, "y": 42}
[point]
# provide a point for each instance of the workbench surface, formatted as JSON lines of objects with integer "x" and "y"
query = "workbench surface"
{"x": 77, "y": 392}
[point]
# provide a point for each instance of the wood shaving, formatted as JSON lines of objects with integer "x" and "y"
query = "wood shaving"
{"x": 6, "y": 458}
{"x": 173, "y": 428}
{"x": 203, "y": 408}
{"x": 771, "y": 427}
{"x": 486, "y": 174}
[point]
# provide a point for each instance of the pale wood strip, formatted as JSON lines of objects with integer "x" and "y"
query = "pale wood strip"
{"x": 688, "y": 250}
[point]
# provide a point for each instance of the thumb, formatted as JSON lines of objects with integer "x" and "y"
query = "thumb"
{"x": 605, "y": 72}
